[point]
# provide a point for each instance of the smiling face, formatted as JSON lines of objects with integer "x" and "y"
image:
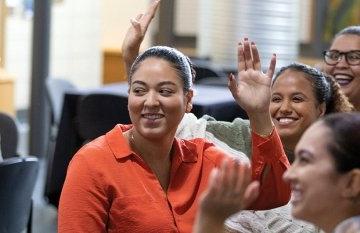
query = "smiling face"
{"x": 316, "y": 185}
{"x": 293, "y": 106}
{"x": 347, "y": 76}
{"x": 157, "y": 101}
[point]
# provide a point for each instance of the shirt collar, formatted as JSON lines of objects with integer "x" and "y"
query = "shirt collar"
{"x": 183, "y": 149}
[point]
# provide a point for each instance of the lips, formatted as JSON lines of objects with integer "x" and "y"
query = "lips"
{"x": 283, "y": 121}
{"x": 296, "y": 195}
{"x": 343, "y": 79}
{"x": 152, "y": 116}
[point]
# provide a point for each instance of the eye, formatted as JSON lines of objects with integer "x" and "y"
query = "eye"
{"x": 275, "y": 99}
{"x": 139, "y": 91}
{"x": 298, "y": 99}
{"x": 353, "y": 55}
{"x": 334, "y": 55}
{"x": 166, "y": 91}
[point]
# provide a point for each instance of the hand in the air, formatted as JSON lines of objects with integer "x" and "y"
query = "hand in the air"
{"x": 251, "y": 88}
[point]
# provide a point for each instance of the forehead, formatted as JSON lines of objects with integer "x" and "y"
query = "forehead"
{"x": 154, "y": 69}
{"x": 292, "y": 80}
{"x": 346, "y": 43}
{"x": 315, "y": 140}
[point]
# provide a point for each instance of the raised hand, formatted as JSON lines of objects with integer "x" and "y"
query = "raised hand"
{"x": 251, "y": 88}
{"x": 136, "y": 32}
{"x": 230, "y": 190}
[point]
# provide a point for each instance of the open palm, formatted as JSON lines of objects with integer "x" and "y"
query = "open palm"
{"x": 251, "y": 89}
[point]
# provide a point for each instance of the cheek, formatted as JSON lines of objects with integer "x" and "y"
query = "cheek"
{"x": 134, "y": 105}
{"x": 273, "y": 107}
{"x": 356, "y": 71}
{"x": 329, "y": 69}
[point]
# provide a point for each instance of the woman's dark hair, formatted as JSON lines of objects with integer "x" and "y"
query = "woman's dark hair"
{"x": 178, "y": 60}
{"x": 345, "y": 133}
{"x": 326, "y": 89}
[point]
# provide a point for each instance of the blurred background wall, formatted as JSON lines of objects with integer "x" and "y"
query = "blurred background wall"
{"x": 83, "y": 32}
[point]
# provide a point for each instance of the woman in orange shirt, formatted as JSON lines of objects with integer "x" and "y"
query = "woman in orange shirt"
{"x": 140, "y": 178}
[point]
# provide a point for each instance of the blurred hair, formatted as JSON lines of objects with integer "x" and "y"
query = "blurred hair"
{"x": 325, "y": 88}
{"x": 351, "y": 30}
{"x": 345, "y": 134}
{"x": 177, "y": 60}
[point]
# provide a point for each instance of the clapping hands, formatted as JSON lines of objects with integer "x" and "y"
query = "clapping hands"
{"x": 230, "y": 190}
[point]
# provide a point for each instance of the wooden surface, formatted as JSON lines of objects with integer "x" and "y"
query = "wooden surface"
{"x": 113, "y": 66}
{"x": 7, "y": 93}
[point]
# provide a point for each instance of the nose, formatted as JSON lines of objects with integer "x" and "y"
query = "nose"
{"x": 289, "y": 175}
{"x": 342, "y": 62}
{"x": 285, "y": 107}
{"x": 152, "y": 99}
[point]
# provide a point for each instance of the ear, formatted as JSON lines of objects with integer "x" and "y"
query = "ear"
{"x": 189, "y": 95}
{"x": 322, "y": 109}
{"x": 351, "y": 187}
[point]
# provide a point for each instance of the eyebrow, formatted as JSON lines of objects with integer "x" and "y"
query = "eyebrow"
{"x": 306, "y": 153}
{"x": 159, "y": 84}
{"x": 295, "y": 93}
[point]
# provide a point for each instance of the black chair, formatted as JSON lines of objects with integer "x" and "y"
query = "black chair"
{"x": 99, "y": 113}
{"x": 8, "y": 135}
{"x": 17, "y": 181}
{"x": 205, "y": 69}
{"x": 55, "y": 91}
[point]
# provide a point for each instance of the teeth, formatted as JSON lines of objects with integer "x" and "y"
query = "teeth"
{"x": 295, "y": 195}
{"x": 152, "y": 116}
{"x": 343, "y": 79}
{"x": 286, "y": 120}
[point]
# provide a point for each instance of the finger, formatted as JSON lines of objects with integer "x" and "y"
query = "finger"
{"x": 232, "y": 84}
{"x": 138, "y": 17}
{"x": 233, "y": 176}
{"x": 149, "y": 15}
{"x": 213, "y": 181}
{"x": 224, "y": 176}
{"x": 241, "y": 58}
{"x": 251, "y": 194}
{"x": 271, "y": 69}
{"x": 256, "y": 57}
{"x": 136, "y": 25}
{"x": 242, "y": 182}
{"x": 247, "y": 55}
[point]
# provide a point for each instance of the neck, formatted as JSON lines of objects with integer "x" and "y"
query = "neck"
{"x": 151, "y": 150}
{"x": 329, "y": 222}
{"x": 156, "y": 153}
{"x": 289, "y": 148}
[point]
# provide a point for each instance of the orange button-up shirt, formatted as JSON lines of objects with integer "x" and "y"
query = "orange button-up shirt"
{"x": 108, "y": 188}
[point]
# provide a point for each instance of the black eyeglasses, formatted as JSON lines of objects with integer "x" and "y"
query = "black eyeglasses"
{"x": 333, "y": 57}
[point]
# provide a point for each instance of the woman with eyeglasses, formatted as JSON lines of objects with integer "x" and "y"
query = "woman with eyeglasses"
{"x": 342, "y": 61}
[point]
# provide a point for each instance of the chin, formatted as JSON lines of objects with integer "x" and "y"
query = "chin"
{"x": 298, "y": 212}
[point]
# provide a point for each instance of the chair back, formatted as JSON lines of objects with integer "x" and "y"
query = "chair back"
{"x": 99, "y": 113}
{"x": 206, "y": 69}
{"x": 8, "y": 136}
{"x": 55, "y": 89}
{"x": 17, "y": 181}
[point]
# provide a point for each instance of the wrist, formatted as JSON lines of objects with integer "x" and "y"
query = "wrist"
{"x": 262, "y": 124}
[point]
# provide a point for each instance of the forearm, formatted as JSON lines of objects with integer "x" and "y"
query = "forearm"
{"x": 269, "y": 162}
{"x": 129, "y": 56}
